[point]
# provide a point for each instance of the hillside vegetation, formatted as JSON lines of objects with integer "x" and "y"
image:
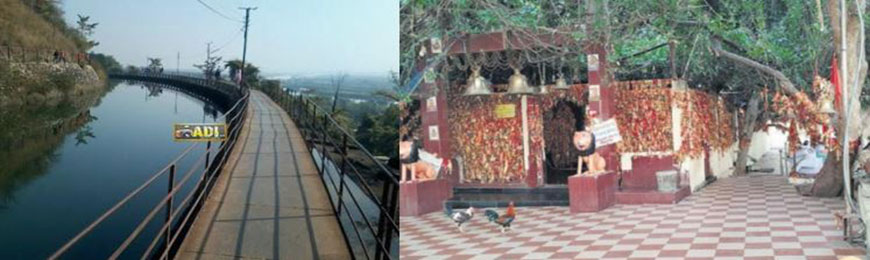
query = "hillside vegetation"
{"x": 39, "y": 27}
{"x": 31, "y": 72}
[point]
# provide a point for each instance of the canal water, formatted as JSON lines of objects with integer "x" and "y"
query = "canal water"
{"x": 64, "y": 163}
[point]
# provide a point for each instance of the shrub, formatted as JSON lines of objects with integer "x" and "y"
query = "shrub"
{"x": 63, "y": 81}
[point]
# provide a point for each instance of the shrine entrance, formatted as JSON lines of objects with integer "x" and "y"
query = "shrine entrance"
{"x": 560, "y": 122}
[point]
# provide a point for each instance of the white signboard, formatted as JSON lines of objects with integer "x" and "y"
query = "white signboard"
{"x": 435, "y": 43}
{"x": 431, "y": 104}
{"x": 592, "y": 62}
{"x": 594, "y": 93}
{"x": 606, "y": 133}
{"x": 433, "y": 133}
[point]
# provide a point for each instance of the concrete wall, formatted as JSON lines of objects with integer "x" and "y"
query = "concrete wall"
{"x": 722, "y": 162}
{"x": 764, "y": 141}
{"x": 693, "y": 168}
{"x": 721, "y": 165}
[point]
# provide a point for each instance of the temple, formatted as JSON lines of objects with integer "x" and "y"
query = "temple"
{"x": 511, "y": 145}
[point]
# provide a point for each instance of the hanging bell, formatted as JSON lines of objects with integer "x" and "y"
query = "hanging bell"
{"x": 561, "y": 83}
{"x": 827, "y": 107}
{"x": 518, "y": 84}
{"x": 544, "y": 89}
{"x": 477, "y": 85}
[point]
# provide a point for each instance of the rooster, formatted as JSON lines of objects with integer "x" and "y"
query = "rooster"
{"x": 505, "y": 220}
{"x": 460, "y": 217}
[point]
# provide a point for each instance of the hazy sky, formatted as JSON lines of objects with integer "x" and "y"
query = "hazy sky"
{"x": 298, "y": 37}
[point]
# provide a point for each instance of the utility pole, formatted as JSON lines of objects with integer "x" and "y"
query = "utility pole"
{"x": 245, "y": 45}
{"x": 207, "y": 60}
{"x": 178, "y": 62}
{"x": 207, "y": 51}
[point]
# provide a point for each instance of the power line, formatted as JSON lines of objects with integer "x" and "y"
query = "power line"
{"x": 218, "y": 13}
{"x": 230, "y": 40}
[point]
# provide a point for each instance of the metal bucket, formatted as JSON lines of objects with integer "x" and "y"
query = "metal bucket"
{"x": 667, "y": 181}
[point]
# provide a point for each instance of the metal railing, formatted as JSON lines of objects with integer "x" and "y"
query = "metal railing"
{"x": 164, "y": 244}
{"x": 22, "y": 54}
{"x": 227, "y": 88}
{"x": 363, "y": 192}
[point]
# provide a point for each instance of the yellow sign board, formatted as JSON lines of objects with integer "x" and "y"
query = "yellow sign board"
{"x": 200, "y": 132}
{"x": 505, "y": 111}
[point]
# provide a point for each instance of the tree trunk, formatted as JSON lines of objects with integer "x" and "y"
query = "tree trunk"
{"x": 746, "y": 130}
{"x": 829, "y": 182}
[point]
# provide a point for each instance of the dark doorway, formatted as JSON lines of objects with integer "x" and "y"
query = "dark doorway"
{"x": 560, "y": 122}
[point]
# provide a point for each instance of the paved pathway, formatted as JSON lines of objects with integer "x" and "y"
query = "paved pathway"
{"x": 759, "y": 217}
{"x": 269, "y": 202}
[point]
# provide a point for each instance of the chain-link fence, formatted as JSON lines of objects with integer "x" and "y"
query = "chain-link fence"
{"x": 9, "y": 53}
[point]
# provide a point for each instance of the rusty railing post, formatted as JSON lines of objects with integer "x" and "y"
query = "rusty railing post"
{"x": 323, "y": 147}
{"x": 207, "y": 154}
{"x": 385, "y": 232}
{"x": 341, "y": 170}
{"x": 168, "y": 234}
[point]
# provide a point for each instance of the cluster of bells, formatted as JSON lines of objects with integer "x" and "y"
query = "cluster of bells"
{"x": 517, "y": 84}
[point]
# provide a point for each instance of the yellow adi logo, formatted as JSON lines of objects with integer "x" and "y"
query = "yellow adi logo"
{"x": 200, "y": 132}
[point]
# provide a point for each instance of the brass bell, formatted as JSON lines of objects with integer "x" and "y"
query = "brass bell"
{"x": 518, "y": 84}
{"x": 543, "y": 89}
{"x": 827, "y": 107}
{"x": 561, "y": 83}
{"x": 477, "y": 85}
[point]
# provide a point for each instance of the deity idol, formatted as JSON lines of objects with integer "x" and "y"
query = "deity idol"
{"x": 408, "y": 156}
{"x": 584, "y": 141}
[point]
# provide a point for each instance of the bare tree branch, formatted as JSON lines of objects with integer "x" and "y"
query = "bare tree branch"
{"x": 785, "y": 84}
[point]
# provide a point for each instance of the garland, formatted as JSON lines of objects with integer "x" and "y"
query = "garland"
{"x": 803, "y": 113}
{"x": 644, "y": 116}
{"x": 706, "y": 122}
{"x": 491, "y": 148}
{"x": 724, "y": 137}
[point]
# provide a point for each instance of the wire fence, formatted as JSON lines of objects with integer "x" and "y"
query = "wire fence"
{"x": 9, "y": 53}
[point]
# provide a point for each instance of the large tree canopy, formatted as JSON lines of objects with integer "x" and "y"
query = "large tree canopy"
{"x": 785, "y": 35}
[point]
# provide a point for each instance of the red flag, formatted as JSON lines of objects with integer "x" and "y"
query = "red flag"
{"x": 835, "y": 81}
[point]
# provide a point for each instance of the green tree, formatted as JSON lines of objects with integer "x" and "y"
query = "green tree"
{"x": 107, "y": 62}
{"x": 210, "y": 66}
{"x": 379, "y": 132}
{"x": 251, "y": 72}
{"x": 155, "y": 65}
{"x": 86, "y": 29}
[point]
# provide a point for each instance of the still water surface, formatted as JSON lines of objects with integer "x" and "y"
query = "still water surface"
{"x": 59, "y": 171}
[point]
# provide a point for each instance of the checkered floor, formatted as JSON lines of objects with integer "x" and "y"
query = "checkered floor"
{"x": 734, "y": 218}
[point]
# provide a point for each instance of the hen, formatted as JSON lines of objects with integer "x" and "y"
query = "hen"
{"x": 505, "y": 220}
{"x": 460, "y": 217}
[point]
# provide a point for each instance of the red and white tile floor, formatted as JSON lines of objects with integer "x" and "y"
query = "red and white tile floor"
{"x": 734, "y": 218}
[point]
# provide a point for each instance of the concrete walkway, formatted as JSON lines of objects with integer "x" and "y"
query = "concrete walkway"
{"x": 269, "y": 201}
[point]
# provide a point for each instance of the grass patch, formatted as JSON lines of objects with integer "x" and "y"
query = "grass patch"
{"x": 21, "y": 27}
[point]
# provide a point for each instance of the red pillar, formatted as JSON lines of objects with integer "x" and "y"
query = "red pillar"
{"x": 433, "y": 112}
{"x": 605, "y": 106}
{"x": 423, "y": 197}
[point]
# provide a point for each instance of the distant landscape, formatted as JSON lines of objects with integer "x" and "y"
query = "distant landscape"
{"x": 360, "y": 87}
